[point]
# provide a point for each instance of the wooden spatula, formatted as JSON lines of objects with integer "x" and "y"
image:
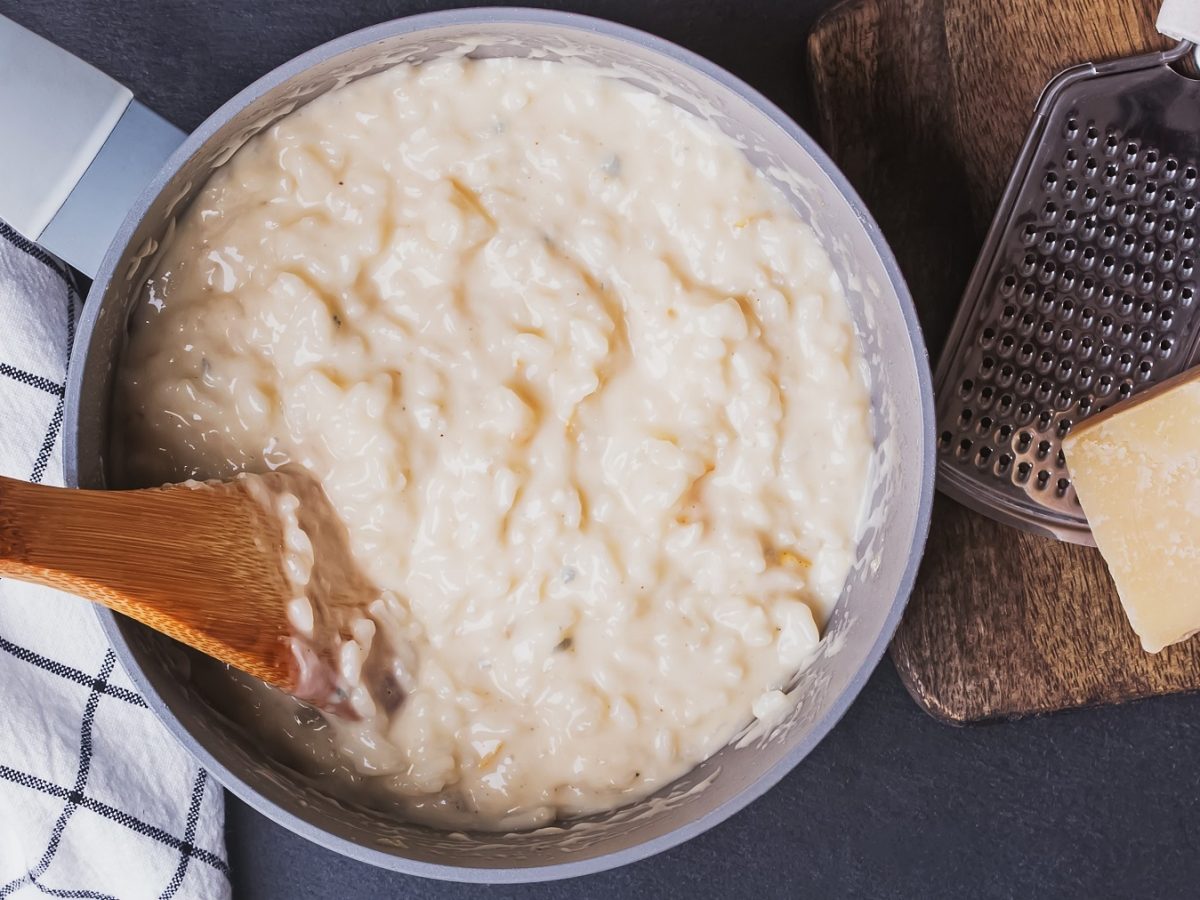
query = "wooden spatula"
{"x": 204, "y": 565}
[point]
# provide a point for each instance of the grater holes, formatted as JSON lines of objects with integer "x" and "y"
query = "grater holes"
{"x": 1008, "y": 285}
{"x": 1170, "y": 167}
{"x": 1066, "y": 340}
{"x": 1048, "y": 267}
{"x": 1145, "y": 341}
{"x": 1110, "y": 144}
{"x": 1004, "y": 463}
{"x": 1049, "y": 212}
{"x": 1150, "y": 161}
{"x": 1146, "y": 284}
{"x": 1106, "y": 327}
{"x": 1072, "y": 128}
{"x": 1043, "y": 449}
{"x": 1110, "y": 177}
{"x": 1061, "y": 488}
{"x": 1006, "y": 345}
{"x": 1043, "y": 478}
{"x": 1004, "y": 432}
{"x": 964, "y": 418}
{"x": 1186, "y": 267}
{"x": 1049, "y": 182}
{"x": 1005, "y": 376}
{"x": 983, "y": 456}
{"x": 1025, "y": 354}
{"x": 1104, "y": 385}
{"x": 986, "y": 366}
{"x": 1060, "y": 461}
{"x": 1090, "y": 166}
{"x": 964, "y": 448}
{"x": 1108, "y": 206}
{"x": 1149, "y": 191}
{"x": 985, "y": 397}
{"x": 1029, "y": 235}
{"x": 1125, "y": 362}
{"x": 1045, "y": 362}
{"x": 1126, "y": 334}
{"x": 1045, "y": 417}
{"x": 1131, "y": 152}
{"x": 1165, "y": 346}
{"x": 1025, "y": 413}
{"x": 1106, "y": 354}
{"x": 1070, "y": 158}
{"x": 1148, "y": 222}
{"x": 1087, "y": 286}
{"x": 1028, "y": 264}
{"x": 1026, "y": 325}
{"x": 1125, "y": 389}
{"x": 1189, "y": 177}
{"x": 1069, "y": 189}
{"x": 1023, "y": 471}
{"x": 1027, "y": 293}
{"x": 1108, "y": 236}
{"x": 1085, "y": 404}
{"x": 1145, "y": 367}
{"x": 946, "y": 438}
{"x": 1064, "y": 399}
{"x": 1128, "y": 214}
{"x": 1004, "y": 406}
{"x": 1024, "y": 442}
{"x": 987, "y": 337}
{"x": 1187, "y": 238}
{"x": 1189, "y": 207}
{"x": 1046, "y": 303}
{"x": 1125, "y": 304}
{"x": 1090, "y": 197}
{"x": 1084, "y": 379}
{"x": 1168, "y": 200}
{"x": 1070, "y": 217}
{"x": 1128, "y": 271}
{"x": 1108, "y": 266}
{"x": 1066, "y": 254}
{"x": 1186, "y": 294}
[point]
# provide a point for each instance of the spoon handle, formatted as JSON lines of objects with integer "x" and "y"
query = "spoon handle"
{"x": 196, "y": 563}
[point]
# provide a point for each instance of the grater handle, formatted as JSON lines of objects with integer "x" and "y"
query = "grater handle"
{"x": 1180, "y": 19}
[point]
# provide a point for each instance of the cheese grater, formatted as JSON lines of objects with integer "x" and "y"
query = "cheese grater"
{"x": 1086, "y": 290}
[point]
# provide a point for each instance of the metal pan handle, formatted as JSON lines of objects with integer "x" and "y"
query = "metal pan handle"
{"x": 76, "y": 149}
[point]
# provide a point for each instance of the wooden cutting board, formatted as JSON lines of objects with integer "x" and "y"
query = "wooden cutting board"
{"x": 924, "y": 104}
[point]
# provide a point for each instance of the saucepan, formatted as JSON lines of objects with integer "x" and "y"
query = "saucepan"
{"x": 104, "y": 195}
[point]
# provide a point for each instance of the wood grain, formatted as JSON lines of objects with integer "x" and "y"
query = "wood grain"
{"x": 203, "y": 565}
{"x": 924, "y": 104}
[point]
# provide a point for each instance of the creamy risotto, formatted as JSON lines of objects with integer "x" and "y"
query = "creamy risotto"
{"x": 584, "y": 391}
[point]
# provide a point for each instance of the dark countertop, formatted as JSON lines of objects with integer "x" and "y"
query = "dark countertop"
{"x": 1096, "y": 803}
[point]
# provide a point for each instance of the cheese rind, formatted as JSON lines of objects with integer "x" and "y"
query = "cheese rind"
{"x": 1136, "y": 471}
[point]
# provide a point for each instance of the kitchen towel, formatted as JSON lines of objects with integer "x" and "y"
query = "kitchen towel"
{"x": 97, "y": 800}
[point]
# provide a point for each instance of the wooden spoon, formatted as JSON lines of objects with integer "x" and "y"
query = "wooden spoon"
{"x": 202, "y": 563}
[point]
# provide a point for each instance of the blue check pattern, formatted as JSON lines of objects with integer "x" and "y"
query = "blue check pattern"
{"x": 96, "y": 799}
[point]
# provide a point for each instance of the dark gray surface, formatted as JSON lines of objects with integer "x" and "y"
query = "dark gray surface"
{"x": 1099, "y": 803}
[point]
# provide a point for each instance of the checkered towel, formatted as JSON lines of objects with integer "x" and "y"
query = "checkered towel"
{"x": 96, "y": 799}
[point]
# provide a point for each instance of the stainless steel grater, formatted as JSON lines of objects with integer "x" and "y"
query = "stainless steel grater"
{"x": 1086, "y": 289}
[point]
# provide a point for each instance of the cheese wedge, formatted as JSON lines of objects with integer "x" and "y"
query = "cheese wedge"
{"x": 1136, "y": 470}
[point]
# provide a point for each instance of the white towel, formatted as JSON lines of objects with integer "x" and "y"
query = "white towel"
{"x": 96, "y": 798}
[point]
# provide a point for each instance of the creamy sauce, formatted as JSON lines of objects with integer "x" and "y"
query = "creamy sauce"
{"x": 581, "y": 386}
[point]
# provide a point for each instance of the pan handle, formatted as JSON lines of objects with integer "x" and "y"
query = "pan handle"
{"x": 76, "y": 149}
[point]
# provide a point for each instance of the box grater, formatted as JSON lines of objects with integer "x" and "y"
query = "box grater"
{"x": 1086, "y": 290}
